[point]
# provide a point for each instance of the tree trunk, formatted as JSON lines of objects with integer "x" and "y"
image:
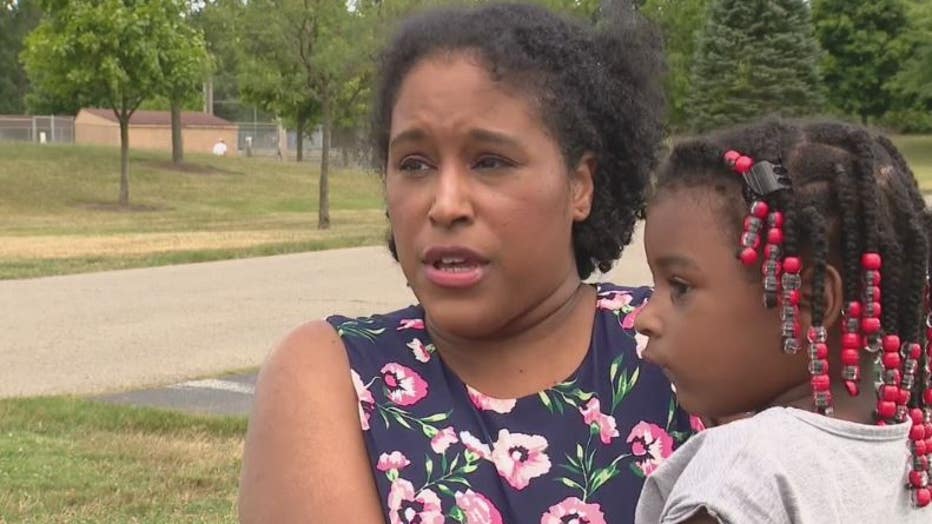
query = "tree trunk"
{"x": 302, "y": 122}
{"x": 323, "y": 210}
{"x": 124, "y": 160}
{"x": 344, "y": 152}
{"x": 177, "y": 143}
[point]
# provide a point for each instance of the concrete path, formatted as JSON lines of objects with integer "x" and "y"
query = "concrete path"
{"x": 109, "y": 332}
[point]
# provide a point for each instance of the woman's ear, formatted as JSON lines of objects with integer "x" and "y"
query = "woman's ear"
{"x": 832, "y": 296}
{"x": 582, "y": 186}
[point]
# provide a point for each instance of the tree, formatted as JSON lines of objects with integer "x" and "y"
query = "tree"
{"x": 863, "y": 52}
{"x": 221, "y": 22}
{"x": 108, "y": 53}
{"x": 185, "y": 63}
{"x": 17, "y": 19}
{"x": 680, "y": 22}
{"x": 754, "y": 58}
{"x": 311, "y": 59}
{"x": 912, "y": 85}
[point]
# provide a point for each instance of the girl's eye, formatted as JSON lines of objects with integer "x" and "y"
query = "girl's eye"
{"x": 678, "y": 289}
{"x": 413, "y": 164}
{"x": 491, "y": 162}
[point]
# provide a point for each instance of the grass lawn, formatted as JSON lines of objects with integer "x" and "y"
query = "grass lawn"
{"x": 918, "y": 152}
{"x": 58, "y": 212}
{"x": 64, "y": 460}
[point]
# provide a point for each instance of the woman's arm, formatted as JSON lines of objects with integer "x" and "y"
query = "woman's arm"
{"x": 305, "y": 459}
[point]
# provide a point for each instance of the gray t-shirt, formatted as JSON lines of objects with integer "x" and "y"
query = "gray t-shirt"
{"x": 786, "y": 465}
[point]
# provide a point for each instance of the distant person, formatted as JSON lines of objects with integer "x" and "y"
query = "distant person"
{"x": 514, "y": 147}
{"x": 220, "y": 148}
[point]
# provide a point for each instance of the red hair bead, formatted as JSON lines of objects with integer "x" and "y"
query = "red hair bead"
{"x": 853, "y": 388}
{"x": 854, "y": 309}
{"x": 775, "y": 235}
{"x": 821, "y": 351}
{"x": 850, "y": 357}
{"x": 870, "y": 325}
{"x": 748, "y": 256}
{"x": 891, "y": 360}
{"x": 743, "y": 164}
{"x": 851, "y": 341}
{"x": 889, "y": 393}
{"x": 759, "y": 209}
{"x": 891, "y": 343}
{"x": 917, "y": 432}
{"x": 775, "y": 219}
{"x": 792, "y": 264}
{"x": 820, "y": 382}
{"x": 927, "y": 396}
{"x": 731, "y": 157}
{"x": 916, "y": 415}
{"x": 886, "y": 409}
{"x": 871, "y": 261}
{"x": 923, "y": 497}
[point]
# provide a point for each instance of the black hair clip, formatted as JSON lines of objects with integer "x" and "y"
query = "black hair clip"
{"x": 766, "y": 177}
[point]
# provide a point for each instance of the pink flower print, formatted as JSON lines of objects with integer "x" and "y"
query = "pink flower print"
{"x": 475, "y": 446}
{"x": 614, "y": 300}
{"x": 394, "y": 461}
{"x": 421, "y": 351}
{"x": 477, "y": 508}
{"x": 403, "y": 385}
{"x": 406, "y": 506}
{"x": 443, "y": 439}
{"x": 651, "y": 445}
{"x": 520, "y": 458}
{"x": 696, "y": 424}
{"x": 592, "y": 414}
{"x": 411, "y": 323}
{"x": 365, "y": 402}
{"x": 628, "y": 321}
{"x": 486, "y": 403}
{"x": 573, "y": 510}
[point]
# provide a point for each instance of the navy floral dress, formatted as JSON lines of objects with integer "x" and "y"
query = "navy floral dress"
{"x": 442, "y": 451}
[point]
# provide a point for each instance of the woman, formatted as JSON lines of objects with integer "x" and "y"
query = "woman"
{"x": 514, "y": 147}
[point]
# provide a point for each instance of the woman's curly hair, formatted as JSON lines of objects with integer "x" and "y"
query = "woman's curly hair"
{"x": 597, "y": 89}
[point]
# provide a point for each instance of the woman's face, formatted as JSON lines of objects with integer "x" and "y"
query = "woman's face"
{"x": 480, "y": 199}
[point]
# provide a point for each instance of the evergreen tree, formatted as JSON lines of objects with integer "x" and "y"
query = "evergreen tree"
{"x": 863, "y": 52}
{"x": 17, "y": 19}
{"x": 755, "y": 58}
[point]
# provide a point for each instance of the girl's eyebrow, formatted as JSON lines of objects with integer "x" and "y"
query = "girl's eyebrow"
{"x": 677, "y": 262}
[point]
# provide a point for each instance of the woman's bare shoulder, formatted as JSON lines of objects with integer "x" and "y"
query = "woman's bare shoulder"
{"x": 305, "y": 449}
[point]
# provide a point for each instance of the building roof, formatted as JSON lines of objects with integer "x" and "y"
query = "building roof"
{"x": 162, "y": 118}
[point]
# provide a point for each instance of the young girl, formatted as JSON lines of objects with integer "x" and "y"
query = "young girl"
{"x": 818, "y": 325}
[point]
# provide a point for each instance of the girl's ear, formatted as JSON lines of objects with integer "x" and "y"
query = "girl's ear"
{"x": 832, "y": 297}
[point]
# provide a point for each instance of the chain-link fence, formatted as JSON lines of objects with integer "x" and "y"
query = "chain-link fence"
{"x": 40, "y": 129}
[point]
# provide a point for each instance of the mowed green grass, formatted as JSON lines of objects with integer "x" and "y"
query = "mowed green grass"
{"x": 918, "y": 152}
{"x": 65, "y": 460}
{"x": 58, "y": 211}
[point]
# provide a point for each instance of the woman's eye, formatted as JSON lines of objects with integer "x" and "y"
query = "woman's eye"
{"x": 413, "y": 164}
{"x": 491, "y": 162}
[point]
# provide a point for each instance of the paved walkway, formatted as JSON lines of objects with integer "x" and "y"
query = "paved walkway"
{"x": 106, "y": 333}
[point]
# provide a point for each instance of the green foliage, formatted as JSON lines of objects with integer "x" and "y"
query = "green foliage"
{"x": 864, "y": 50}
{"x": 17, "y": 19}
{"x": 679, "y": 21}
{"x": 754, "y": 58}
